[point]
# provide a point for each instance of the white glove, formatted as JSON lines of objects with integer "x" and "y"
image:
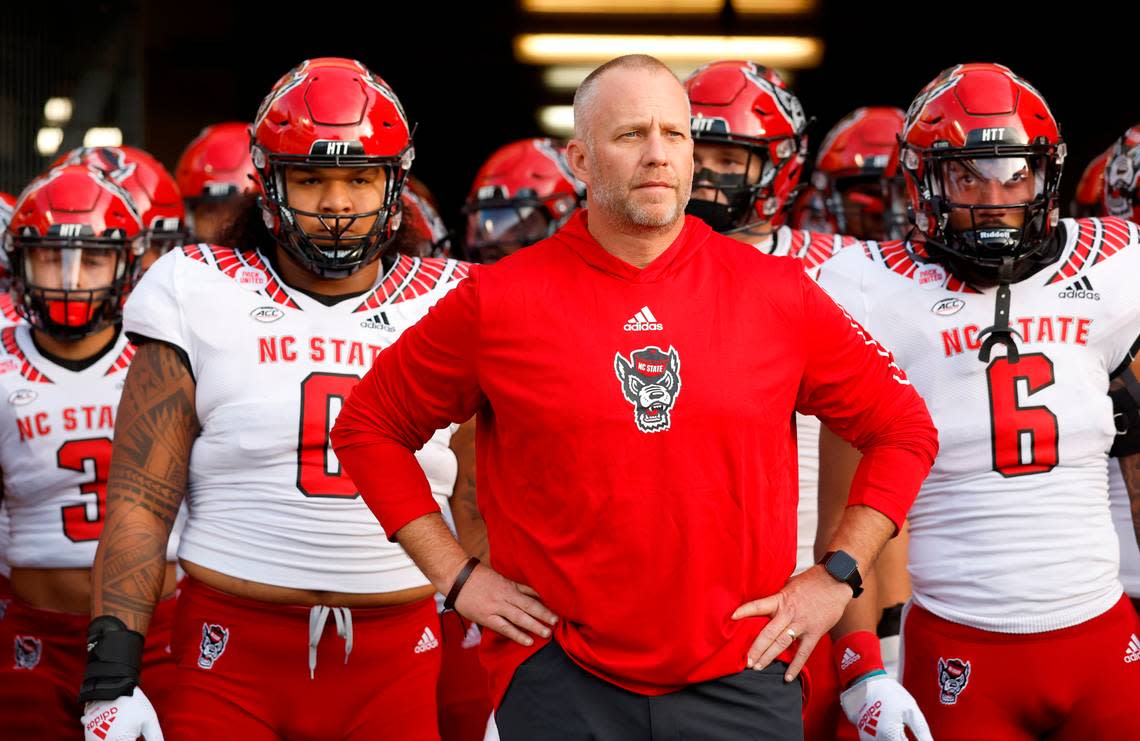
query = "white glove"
{"x": 879, "y": 708}
{"x": 122, "y": 719}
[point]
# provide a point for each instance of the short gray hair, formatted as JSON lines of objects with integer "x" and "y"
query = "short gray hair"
{"x": 586, "y": 96}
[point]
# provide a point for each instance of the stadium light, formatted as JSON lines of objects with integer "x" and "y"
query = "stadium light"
{"x": 48, "y": 140}
{"x": 557, "y": 120}
{"x": 796, "y": 52}
{"x": 103, "y": 136}
{"x": 57, "y": 111}
{"x": 666, "y": 7}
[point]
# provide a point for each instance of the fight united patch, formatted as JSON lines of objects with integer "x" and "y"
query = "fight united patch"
{"x": 650, "y": 381}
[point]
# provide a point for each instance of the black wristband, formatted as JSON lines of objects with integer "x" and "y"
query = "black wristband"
{"x": 464, "y": 575}
{"x": 114, "y": 659}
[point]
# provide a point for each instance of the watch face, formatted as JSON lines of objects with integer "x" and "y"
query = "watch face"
{"x": 841, "y": 566}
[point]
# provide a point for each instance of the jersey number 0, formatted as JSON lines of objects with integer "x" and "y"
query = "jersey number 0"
{"x": 319, "y": 473}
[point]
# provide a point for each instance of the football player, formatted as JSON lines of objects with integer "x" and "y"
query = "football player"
{"x": 1117, "y": 198}
{"x": 749, "y": 150}
{"x": 212, "y": 174}
{"x": 245, "y": 358}
{"x": 151, "y": 187}
{"x": 74, "y": 241}
{"x": 1018, "y": 628}
{"x": 521, "y": 195}
{"x": 851, "y": 172}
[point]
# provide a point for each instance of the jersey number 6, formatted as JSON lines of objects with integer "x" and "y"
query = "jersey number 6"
{"x": 1024, "y": 437}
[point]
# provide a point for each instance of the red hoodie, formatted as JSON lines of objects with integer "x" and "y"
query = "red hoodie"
{"x": 635, "y": 452}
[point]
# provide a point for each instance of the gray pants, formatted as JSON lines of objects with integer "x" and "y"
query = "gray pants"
{"x": 551, "y": 698}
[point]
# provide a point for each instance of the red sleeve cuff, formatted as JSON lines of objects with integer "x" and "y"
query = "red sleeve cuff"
{"x": 391, "y": 482}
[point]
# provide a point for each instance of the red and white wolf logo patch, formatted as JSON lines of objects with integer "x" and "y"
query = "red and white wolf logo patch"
{"x": 953, "y": 674}
{"x": 28, "y": 650}
{"x": 214, "y": 640}
{"x": 651, "y": 381}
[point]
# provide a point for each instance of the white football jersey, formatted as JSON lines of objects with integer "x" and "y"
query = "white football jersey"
{"x": 1125, "y": 531}
{"x": 1011, "y": 531}
{"x": 813, "y": 249}
{"x": 268, "y": 499}
{"x": 56, "y": 427}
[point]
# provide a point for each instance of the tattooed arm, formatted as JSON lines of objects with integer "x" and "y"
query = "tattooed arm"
{"x": 469, "y": 523}
{"x": 155, "y": 429}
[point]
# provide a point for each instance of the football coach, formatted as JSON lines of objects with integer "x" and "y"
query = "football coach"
{"x": 634, "y": 378}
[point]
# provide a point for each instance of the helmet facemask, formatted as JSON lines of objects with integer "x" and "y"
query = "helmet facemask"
{"x": 50, "y": 277}
{"x": 498, "y": 225}
{"x": 733, "y": 207}
{"x": 334, "y": 252}
{"x": 987, "y": 242}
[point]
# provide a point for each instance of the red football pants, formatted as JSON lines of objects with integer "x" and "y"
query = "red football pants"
{"x": 821, "y": 711}
{"x": 1074, "y": 683}
{"x": 464, "y": 697}
{"x": 42, "y": 658}
{"x": 243, "y": 671}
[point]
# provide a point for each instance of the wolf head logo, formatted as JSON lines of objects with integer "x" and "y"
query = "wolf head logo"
{"x": 214, "y": 639}
{"x": 651, "y": 381}
{"x": 28, "y": 650}
{"x": 953, "y": 674}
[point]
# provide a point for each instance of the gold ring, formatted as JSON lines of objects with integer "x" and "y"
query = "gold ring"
{"x": 792, "y": 633}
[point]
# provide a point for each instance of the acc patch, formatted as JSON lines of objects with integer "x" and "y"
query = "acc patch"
{"x": 266, "y": 314}
{"x": 948, "y": 306}
{"x": 20, "y": 397}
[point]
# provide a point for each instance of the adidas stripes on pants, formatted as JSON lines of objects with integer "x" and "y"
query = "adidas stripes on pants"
{"x": 243, "y": 671}
{"x": 1076, "y": 683}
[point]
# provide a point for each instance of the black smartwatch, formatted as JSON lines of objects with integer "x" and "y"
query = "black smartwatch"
{"x": 843, "y": 568}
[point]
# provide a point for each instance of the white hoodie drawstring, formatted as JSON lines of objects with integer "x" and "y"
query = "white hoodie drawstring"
{"x": 318, "y": 616}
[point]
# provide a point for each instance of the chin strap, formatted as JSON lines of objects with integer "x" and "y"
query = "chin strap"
{"x": 1001, "y": 333}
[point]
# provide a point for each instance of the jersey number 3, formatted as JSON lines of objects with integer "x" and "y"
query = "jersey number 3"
{"x": 74, "y": 455}
{"x": 1024, "y": 437}
{"x": 319, "y": 473}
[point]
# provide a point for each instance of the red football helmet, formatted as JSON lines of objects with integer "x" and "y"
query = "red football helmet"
{"x": 1122, "y": 177}
{"x": 331, "y": 112}
{"x": 972, "y": 125}
{"x": 216, "y": 165}
{"x": 744, "y": 104}
{"x": 150, "y": 185}
{"x": 74, "y": 243}
{"x": 851, "y": 171}
{"x": 1089, "y": 198}
{"x": 522, "y": 194}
